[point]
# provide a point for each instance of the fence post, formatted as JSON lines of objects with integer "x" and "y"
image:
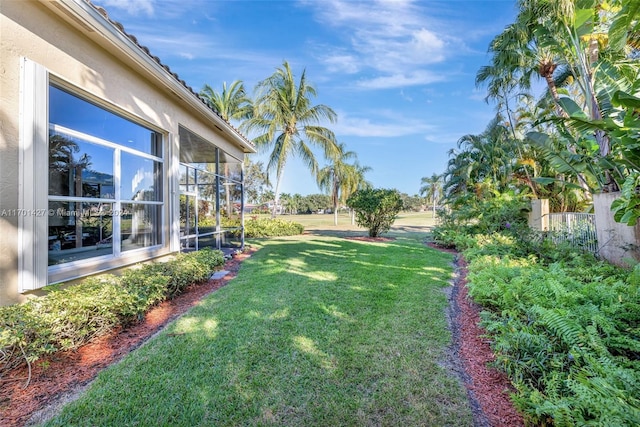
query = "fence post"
{"x": 539, "y": 215}
{"x": 617, "y": 243}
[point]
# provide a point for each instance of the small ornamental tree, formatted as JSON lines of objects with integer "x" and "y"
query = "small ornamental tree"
{"x": 376, "y": 209}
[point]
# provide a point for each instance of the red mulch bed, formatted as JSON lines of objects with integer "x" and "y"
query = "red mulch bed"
{"x": 59, "y": 376}
{"x": 488, "y": 389}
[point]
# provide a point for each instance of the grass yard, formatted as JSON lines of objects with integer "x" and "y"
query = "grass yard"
{"x": 406, "y": 222}
{"x": 315, "y": 330}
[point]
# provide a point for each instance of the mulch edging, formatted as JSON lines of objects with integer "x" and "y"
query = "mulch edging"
{"x": 57, "y": 378}
{"x": 487, "y": 388}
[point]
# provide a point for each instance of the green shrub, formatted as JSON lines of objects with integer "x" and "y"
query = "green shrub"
{"x": 376, "y": 209}
{"x": 268, "y": 227}
{"x": 66, "y": 318}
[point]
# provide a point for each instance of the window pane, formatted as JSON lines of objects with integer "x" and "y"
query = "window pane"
{"x": 74, "y": 113}
{"x": 230, "y": 198}
{"x": 206, "y": 217}
{"x": 140, "y": 225}
{"x": 79, "y": 230}
{"x": 187, "y": 179}
{"x": 139, "y": 178}
{"x": 78, "y": 168}
{"x": 231, "y": 168}
{"x": 187, "y": 215}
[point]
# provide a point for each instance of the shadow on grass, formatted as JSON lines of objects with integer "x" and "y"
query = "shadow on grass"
{"x": 313, "y": 331}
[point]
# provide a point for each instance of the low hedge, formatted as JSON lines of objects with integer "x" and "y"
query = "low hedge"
{"x": 66, "y": 318}
{"x": 270, "y": 227}
{"x": 255, "y": 227}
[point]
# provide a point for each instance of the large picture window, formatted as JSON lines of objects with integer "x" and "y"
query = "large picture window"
{"x": 105, "y": 182}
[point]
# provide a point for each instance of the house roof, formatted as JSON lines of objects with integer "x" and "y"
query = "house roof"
{"x": 83, "y": 11}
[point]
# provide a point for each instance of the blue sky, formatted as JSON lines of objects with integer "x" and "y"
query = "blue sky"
{"x": 400, "y": 74}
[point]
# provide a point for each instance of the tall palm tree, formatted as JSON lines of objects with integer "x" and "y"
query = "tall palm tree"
{"x": 232, "y": 103}
{"x": 341, "y": 179}
{"x": 431, "y": 188}
{"x": 288, "y": 124}
{"x": 330, "y": 177}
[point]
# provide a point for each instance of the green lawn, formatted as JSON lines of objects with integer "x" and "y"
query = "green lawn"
{"x": 315, "y": 330}
{"x": 406, "y": 221}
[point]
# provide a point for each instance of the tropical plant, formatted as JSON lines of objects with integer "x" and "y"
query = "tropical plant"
{"x": 577, "y": 139}
{"x": 341, "y": 179}
{"x": 288, "y": 124}
{"x": 482, "y": 163}
{"x": 431, "y": 189}
{"x": 256, "y": 180}
{"x": 231, "y": 103}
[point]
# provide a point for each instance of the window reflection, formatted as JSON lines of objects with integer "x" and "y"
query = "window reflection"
{"x": 90, "y": 151}
{"x": 139, "y": 178}
{"x": 79, "y": 230}
{"x": 79, "y": 169}
{"x": 74, "y": 113}
{"x": 140, "y": 225}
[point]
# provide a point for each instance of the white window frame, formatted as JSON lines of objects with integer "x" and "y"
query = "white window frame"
{"x": 33, "y": 191}
{"x": 33, "y": 166}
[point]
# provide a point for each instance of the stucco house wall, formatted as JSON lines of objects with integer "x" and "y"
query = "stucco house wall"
{"x": 78, "y": 47}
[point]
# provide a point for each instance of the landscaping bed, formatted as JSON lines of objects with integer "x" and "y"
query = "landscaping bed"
{"x": 58, "y": 378}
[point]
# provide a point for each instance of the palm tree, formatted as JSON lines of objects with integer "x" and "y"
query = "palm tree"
{"x": 255, "y": 180}
{"x": 431, "y": 188}
{"x": 340, "y": 179}
{"x": 232, "y": 103}
{"x": 354, "y": 181}
{"x": 294, "y": 203}
{"x": 490, "y": 154}
{"x": 288, "y": 124}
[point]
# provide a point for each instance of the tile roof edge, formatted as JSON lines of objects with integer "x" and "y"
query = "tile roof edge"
{"x": 102, "y": 11}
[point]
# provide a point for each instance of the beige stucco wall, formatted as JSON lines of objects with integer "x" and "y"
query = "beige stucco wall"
{"x": 539, "y": 215}
{"x": 617, "y": 243}
{"x": 30, "y": 29}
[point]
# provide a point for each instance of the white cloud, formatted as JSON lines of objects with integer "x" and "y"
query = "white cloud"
{"x": 398, "y": 39}
{"x": 342, "y": 63}
{"x": 133, "y": 7}
{"x": 379, "y": 124}
{"x": 419, "y": 77}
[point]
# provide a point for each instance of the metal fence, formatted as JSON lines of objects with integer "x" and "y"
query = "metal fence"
{"x": 577, "y": 229}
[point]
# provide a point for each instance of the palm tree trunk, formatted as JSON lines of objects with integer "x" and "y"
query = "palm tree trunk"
{"x": 276, "y": 197}
{"x": 336, "y": 202}
{"x": 530, "y": 183}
